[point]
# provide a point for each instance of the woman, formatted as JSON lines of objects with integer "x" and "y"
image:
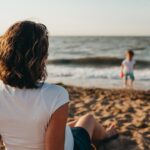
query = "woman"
{"x": 33, "y": 114}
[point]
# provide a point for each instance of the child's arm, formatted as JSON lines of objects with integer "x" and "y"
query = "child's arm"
{"x": 134, "y": 66}
{"x": 121, "y": 72}
{"x": 122, "y": 66}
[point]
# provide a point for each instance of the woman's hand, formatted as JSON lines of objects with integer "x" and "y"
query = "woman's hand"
{"x": 55, "y": 133}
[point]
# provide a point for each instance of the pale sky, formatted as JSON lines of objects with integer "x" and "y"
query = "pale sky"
{"x": 80, "y": 17}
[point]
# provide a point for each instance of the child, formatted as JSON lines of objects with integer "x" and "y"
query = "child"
{"x": 127, "y": 67}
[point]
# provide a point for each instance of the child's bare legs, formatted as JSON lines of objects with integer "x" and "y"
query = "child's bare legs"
{"x": 95, "y": 130}
{"x": 126, "y": 83}
{"x": 132, "y": 78}
{"x": 131, "y": 83}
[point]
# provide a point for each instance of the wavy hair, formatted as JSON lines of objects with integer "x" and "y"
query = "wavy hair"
{"x": 23, "y": 55}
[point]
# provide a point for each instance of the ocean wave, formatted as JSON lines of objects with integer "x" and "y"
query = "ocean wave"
{"x": 97, "y": 62}
{"x": 80, "y": 72}
{"x": 138, "y": 48}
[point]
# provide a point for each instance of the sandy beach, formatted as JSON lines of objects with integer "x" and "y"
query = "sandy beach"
{"x": 98, "y": 50}
{"x": 129, "y": 110}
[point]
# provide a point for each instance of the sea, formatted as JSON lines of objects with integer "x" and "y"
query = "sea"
{"x": 94, "y": 61}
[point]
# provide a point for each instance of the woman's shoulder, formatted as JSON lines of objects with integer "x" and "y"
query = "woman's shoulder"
{"x": 53, "y": 88}
{"x": 54, "y": 96}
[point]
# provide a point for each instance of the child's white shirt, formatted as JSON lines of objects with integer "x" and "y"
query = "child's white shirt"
{"x": 128, "y": 65}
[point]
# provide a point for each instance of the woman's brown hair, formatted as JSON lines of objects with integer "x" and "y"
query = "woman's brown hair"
{"x": 23, "y": 55}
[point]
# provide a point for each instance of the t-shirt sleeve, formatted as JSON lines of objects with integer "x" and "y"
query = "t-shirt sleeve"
{"x": 134, "y": 62}
{"x": 55, "y": 96}
{"x": 61, "y": 99}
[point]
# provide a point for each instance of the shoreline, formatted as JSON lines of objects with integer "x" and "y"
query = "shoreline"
{"x": 99, "y": 83}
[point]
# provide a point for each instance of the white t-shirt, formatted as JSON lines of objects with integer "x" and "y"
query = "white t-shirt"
{"x": 25, "y": 113}
{"x": 128, "y": 65}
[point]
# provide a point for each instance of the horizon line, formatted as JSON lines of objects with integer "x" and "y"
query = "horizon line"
{"x": 101, "y": 35}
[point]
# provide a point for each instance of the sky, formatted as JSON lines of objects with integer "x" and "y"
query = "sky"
{"x": 80, "y": 17}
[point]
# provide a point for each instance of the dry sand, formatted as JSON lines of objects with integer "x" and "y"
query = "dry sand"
{"x": 129, "y": 110}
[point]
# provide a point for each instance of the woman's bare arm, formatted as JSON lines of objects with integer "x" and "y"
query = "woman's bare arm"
{"x": 55, "y": 134}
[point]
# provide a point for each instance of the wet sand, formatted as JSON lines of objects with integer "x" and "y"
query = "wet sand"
{"x": 129, "y": 110}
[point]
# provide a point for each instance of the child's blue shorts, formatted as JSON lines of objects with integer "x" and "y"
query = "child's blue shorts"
{"x": 129, "y": 75}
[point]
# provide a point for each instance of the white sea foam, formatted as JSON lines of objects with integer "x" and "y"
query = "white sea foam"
{"x": 94, "y": 73}
{"x": 99, "y": 70}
